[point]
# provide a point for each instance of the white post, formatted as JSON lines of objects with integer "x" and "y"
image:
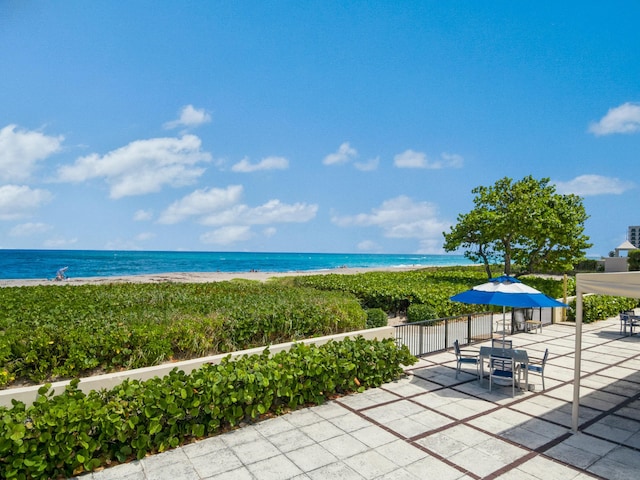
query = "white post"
{"x": 578, "y": 358}
{"x": 564, "y": 297}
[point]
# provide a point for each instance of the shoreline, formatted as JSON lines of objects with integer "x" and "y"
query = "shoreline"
{"x": 199, "y": 277}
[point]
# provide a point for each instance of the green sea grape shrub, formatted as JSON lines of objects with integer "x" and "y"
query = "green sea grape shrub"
{"x": 600, "y": 307}
{"x": 60, "y": 436}
{"x": 49, "y": 333}
{"x": 586, "y": 265}
{"x": 376, "y": 317}
{"x": 633, "y": 259}
{"x": 420, "y": 313}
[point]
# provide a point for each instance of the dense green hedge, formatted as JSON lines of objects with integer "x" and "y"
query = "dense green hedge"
{"x": 420, "y": 313}
{"x": 50, "y": 332}
{"x": 395, "y": 291}
{"x": 600, "y": 307}
{"x": 376, "y": 317}
{"x": 65, "y": 435}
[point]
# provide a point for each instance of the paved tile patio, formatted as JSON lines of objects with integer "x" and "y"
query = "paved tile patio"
{"x": 430, "y": 425}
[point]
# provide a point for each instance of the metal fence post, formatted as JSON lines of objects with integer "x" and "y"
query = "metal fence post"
{"x": 446, "y": 333}
{"x": 420, "y": 347}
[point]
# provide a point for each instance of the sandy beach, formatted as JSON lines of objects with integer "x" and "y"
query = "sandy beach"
{"x": 194, "y": 277}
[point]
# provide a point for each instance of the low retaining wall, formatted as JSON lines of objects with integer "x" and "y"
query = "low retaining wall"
{"x": 110, "y": 380}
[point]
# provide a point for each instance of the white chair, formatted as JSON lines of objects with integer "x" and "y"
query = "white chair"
{"x": 504, "y": 369}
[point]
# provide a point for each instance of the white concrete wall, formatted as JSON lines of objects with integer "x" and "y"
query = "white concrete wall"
{"x": 110, "y": 380}
{"x": 616, "y": 264}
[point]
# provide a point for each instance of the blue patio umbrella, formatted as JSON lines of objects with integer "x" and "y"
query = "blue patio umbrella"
{"x": 507, "y": 291}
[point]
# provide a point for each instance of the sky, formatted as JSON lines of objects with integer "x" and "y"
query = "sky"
{"x": 315, "y": 126}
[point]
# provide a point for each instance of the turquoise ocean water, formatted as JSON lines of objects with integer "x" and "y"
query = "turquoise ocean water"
{"x": 41, "y": 264}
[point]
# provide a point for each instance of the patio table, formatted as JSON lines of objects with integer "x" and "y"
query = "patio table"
{"x": 520, "y": 356}
{"x": 533, "y": 324}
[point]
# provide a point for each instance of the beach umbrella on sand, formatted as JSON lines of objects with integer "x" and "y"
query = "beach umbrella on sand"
{"x": 61, "y": 273}
{"x": 506, "y": 291}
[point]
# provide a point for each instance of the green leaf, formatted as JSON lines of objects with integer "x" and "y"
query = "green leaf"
{"x": 155, "y": 427}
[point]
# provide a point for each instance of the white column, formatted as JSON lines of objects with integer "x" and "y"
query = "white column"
{"x": 578, "y": 358}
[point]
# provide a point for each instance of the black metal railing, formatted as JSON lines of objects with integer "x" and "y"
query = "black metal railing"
{"x": 437, "y": 335}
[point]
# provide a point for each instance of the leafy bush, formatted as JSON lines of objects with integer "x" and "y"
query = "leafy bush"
{"x": 586, "y": 265}
{"x": 393, "y": 292}
{"x": 551, "y": 286}
{"x": 419, "y": 313}
{"x": 600, "y": 307}
{"x": 66, "y": 435}
{"x": 633, "y": 259}
{"x": 376, "y": 317}
{"x": 53, "y": 332}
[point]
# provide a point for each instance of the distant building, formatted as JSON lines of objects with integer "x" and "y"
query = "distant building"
{"x": 633, "y": 235}
{"x": 620, "y": 263}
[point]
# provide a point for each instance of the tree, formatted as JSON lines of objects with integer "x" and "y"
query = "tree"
{"x": 525, "y": 223}
{"x": 633, "y": 260}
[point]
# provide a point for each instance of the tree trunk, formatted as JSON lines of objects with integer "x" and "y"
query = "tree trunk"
{"x": 485, "y": 261}
{"x": 507, "y": 264}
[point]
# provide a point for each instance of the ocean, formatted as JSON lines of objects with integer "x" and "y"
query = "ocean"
{"x": 43, "y": 264}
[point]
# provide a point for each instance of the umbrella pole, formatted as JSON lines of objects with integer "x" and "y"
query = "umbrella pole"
{"x": 504, "y": 324}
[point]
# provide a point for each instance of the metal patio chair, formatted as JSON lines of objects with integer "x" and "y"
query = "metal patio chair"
{"x": 628, "y": 320}
{"x": 503, "y": 369}
{"x": 466, "y": 357}
{"x": 500, "y": 343}
{"x": 536, "y": 366}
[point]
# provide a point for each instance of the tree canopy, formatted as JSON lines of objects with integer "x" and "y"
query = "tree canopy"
{"x": 526, "y": 224}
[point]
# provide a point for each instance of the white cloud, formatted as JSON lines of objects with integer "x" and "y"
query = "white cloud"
{"x": 220, "y": 207}
{"x": 145, "y": 236}
{"x": 451, "y": 160}
{"x": 121, "y": 244}
{"x": 143, "y": 215}
{"x": 200, "y": 203}
{"x": 28, "y": 229}
{"x": 272, "y": 211}
{"x": 269, "y": 231}
{"x": 622, "y": 119}
{"x": 268, "y": 163}
{"x": 20, "y": 201}
{"x": 227, "y": 235}
{"x": 368, "y": 246}
{"x": 20, "y": 150}
{"x": 590, "y": 185}
{"x": 189, "y": 117}
{"x": 60, "y": 242}
{"x": 143, "y": 166}
{"x": 400, "y": 217}
{"x": 369, "y": 165}
{"x": 343, "y": 155}
{"x": 412, "y": 159}
{"x": 430, "y": 246}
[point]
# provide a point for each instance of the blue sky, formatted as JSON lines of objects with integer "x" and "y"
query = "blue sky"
{"x": 308, "y": 126}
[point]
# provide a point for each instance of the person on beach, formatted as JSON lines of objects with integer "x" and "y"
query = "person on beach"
{"x": 61, "y": 274}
